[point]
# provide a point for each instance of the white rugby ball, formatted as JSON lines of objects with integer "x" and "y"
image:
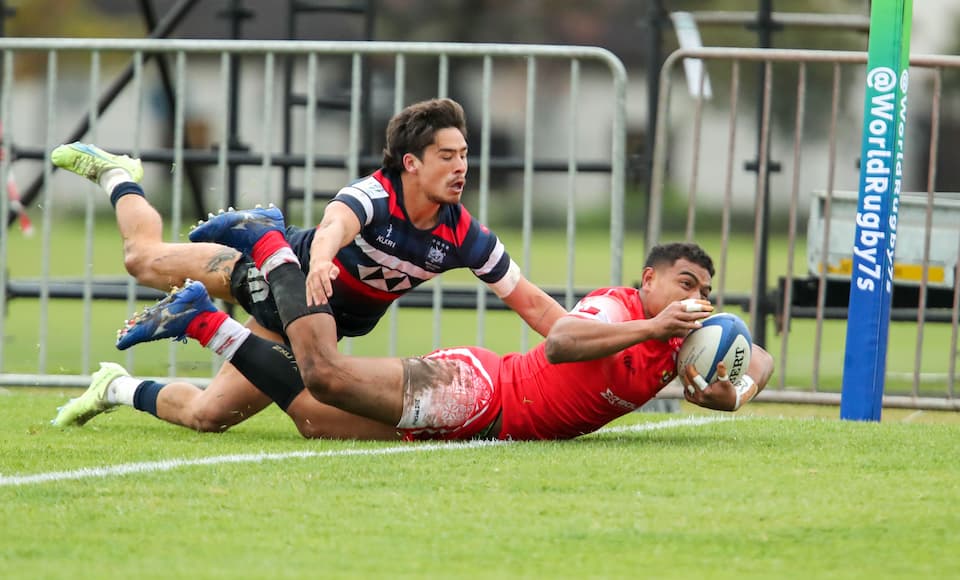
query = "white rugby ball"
{"x": 723, "y": 337}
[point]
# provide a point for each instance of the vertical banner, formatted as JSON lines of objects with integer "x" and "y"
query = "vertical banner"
{"x": 881, "y": 176}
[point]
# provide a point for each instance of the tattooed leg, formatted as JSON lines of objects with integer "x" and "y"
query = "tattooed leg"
{"x": 163, "y": 265}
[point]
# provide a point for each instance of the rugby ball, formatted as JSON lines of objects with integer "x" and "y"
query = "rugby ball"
{"x": 723, "y": 337}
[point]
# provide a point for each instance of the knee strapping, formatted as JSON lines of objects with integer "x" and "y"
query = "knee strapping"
{"x": 271, "y": 367}
{"x": 288, "y": 284}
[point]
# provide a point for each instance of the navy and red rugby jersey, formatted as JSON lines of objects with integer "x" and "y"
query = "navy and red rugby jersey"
{"x": 390, "y": 257}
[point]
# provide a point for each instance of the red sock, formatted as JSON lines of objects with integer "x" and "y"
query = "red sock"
{"x": 205, "y": 325}
{"x": 266, "y": 246}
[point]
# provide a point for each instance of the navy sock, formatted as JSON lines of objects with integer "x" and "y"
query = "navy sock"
{"x": 145, "y": 397}
{"x": 125, "y": 188}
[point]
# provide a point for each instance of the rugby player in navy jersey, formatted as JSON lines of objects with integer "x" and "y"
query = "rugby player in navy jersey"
{"x": 379, "y": 238}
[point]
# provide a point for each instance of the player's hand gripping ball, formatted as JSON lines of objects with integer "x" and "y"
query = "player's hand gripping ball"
{"x": 722, "y": 338}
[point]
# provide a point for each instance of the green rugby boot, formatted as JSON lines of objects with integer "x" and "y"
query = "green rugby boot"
{"x": 90, "y": 161}
{"x": 93, "y": 401}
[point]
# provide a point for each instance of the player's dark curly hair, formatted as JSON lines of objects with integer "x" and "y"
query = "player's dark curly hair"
{"x": 413, "y": 129}
{"x": 670, "y": 253}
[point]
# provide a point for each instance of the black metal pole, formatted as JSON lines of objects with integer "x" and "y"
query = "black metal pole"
{"x": 655, "y": 20}
{"x": 190, "y": 170}
{"x": 237, "y": 13}
{"x": 366, "y": 102}
{"x": 288, "y": 107}
{"x": 765, "y": 29}
{"x": 5, "y": 12}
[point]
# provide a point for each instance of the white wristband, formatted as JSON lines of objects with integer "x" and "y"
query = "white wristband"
{"x": 700, "y": 382}
{"x": 746, "y": 390}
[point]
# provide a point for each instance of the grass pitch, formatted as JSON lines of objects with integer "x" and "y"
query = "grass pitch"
{"x": 672, "y": 496}
{"x": 784, "y": 492}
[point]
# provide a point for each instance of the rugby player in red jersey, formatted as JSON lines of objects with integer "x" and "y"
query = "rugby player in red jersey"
{"x": 380, "y": 237}
{"x": 612, "y": 353}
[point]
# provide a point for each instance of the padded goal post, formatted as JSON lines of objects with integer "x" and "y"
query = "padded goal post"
{"x": 875, "y": 240}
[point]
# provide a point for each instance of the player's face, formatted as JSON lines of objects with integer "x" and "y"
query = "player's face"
{"x": 679, "y": 281}
{"x": 442, "y": 173}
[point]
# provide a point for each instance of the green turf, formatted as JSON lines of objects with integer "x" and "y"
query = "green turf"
{"x": 787, "y": 492}
{"x": 760, "y": 497}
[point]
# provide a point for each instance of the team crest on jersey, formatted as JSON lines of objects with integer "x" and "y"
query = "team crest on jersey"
{"x": 436, "y": 255}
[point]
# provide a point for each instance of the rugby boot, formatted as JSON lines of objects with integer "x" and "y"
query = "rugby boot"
{"x": 167, "y": 318}
{"x": 93, "y": 401}
{"x": 90, "y": 161}
{"x": 239, "y": 229}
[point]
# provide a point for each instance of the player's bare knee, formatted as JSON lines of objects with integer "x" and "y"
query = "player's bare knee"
{"x": 324, "y": 378}
{"x": 212, "y": 420}
{"x": 310, "y": 431}
{"x": 317, "y": 380}
{"x": 135, "y": 261}
{"x": 140, "y": 263}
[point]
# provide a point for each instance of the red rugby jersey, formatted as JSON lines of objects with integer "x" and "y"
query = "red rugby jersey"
{"x": 560, "y": 401}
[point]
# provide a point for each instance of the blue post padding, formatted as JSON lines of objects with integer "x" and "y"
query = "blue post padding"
{"x": 881, "y": 177}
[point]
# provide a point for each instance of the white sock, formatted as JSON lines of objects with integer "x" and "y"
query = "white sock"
{"x": 121, "y": 390}
{"x": 284, "y": 255}
{"x": 228, "y": 338}
{"x": 114, "y": 177}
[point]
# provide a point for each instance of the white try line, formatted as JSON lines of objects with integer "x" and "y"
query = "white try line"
{"x": 685, "y": 422}
{"x": 170, "y": 464}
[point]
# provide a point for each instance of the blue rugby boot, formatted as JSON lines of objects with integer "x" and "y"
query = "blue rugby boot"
{"x": 239, "y": 229}
{"x": 90, "y": 161}
{"x": 168, "y": 318}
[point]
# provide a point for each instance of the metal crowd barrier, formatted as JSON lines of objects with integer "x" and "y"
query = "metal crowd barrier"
{"x": 69, "y": 95}
{"x": 816, "y": 147}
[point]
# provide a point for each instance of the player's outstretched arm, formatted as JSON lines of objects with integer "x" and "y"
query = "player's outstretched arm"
{"x": 723, "y": 395}
{"x": 338, "y": 226}
{"x": 573, "y": 338}
{"x": 537, "y": 308}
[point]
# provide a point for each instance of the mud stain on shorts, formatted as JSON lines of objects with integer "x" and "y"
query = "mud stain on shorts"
{"x": 442, "y": 394}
